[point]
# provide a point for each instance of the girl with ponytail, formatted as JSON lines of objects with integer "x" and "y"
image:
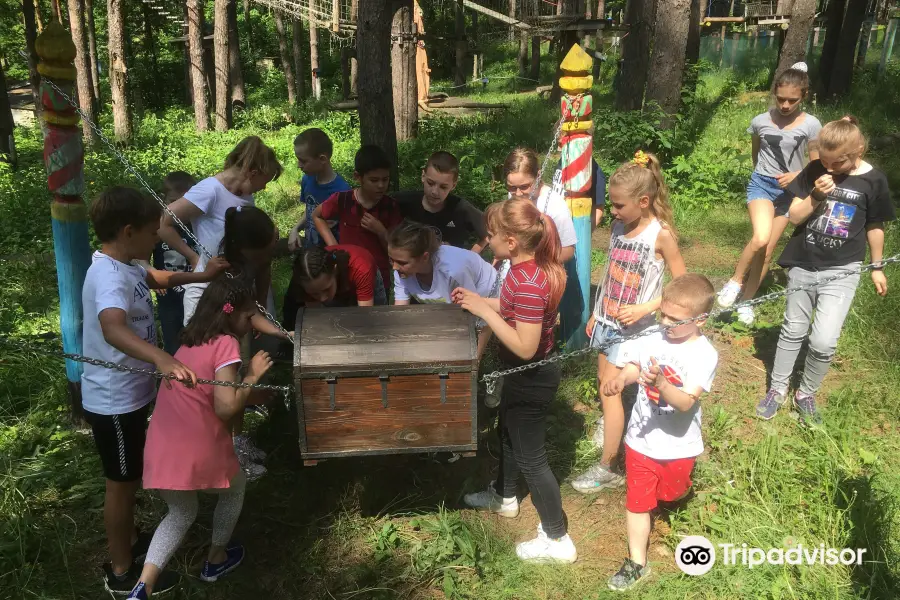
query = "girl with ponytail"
{"x": 523, "y": 318}
{"x": 642, "y": 245}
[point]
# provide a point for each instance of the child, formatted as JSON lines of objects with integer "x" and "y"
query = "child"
{"x": 119, "y": 328}
{"x": 674, "y": 368}
{"x": 782, "y": 137}
{"x": 313, "y": 149}
{"x": 523, "y": 319}
{"x": 365, "y": 215}
{"x": 840, "y": 202}
{"x": 457, "y": 220}
{"x": 170, "y": 304}
{"x": 248, "y": 169}
{"x": 188, "y": 442}
{"x": 339, "y": 275}
{"x": 642, "y": 244}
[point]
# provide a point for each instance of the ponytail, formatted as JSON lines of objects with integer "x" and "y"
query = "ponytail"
{"x": 251, "y": 154}
{"x": 415, "y": 238}
{"x": 246, "y": 228}
{"x": 536, "y": 234}
{"x": 642, "y": 176}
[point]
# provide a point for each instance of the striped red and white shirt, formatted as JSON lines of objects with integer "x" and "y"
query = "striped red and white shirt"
{"x": 525, "y": 297}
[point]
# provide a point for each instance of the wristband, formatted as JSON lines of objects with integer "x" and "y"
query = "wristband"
{"x": 878, "y": 268}
{"x": 818, "y": 196}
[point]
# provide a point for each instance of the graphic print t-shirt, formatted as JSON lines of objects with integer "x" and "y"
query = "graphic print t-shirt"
{"x": 656, "y": 429}
{"x": 835, "y": 234}
{"x": 167, "y": 259}
{"x": 113, "y": 284}
{"x": 312, "y": 194}
{"x": 782, "y": 150}
{"x": 460, "y": 223}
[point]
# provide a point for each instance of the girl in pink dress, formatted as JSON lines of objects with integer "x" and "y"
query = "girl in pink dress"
{"x": 189, "y": 447}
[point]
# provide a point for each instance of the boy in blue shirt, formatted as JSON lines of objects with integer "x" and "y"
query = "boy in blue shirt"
{"x": 313, "y": 149}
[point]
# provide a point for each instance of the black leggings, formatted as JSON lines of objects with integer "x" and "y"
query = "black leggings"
{"x": 524, "y": 401}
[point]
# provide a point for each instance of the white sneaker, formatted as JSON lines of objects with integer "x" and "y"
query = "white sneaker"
{"x": 729, "y": 293}
{"x": 598, "y": 435}
{"x": 746, "y": 315}
{"x": 243, "y": 445}
{"x": 544, "y": 549}
{"x": 492, "y": 501}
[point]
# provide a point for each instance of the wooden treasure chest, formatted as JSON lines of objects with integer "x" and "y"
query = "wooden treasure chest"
{"x": 385, "y": 380}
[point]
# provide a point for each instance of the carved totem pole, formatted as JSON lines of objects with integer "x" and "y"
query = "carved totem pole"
{"x": 576, "y": 146}
{"x": 64, "y": 161}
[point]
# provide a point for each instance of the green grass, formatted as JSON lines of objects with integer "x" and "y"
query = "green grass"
{"x": 392, "y": 527}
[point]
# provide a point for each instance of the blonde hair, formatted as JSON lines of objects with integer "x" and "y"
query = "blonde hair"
{"x": 643, "y": 177}
{"x": 251, "y": 154}
{"x": 691, "y": 291}
{"x": 522, "y": 160}
{"x": 838, "y": 135}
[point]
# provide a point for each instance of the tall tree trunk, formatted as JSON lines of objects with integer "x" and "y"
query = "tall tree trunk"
{"x": 235, "y": 69}
{"x": 7, "y": 125}
{"x": 523, "y": 54}
{"x": 565, "y": 39}
{"x": 354, "y": 64}
{"x": 601, "y": 9}
{"x": 314, "y": 55}
{"x": 198, "y": 74}
{"x": 297, "y": 49}
{"x": 376, "y": 109}
{"x": 403, "y": 66}
{"x": 794, "y": 48}
{"x": 118, "y": 70}
{"x": 459, "y": 74}
{"x": 249, "y": 24}
{"x": 535, "y": 72}
{"x": 36, "y": 5}
{"x": 834, "y": 20}
{"x": 842, "y": 74}
{"x": 669, "y": 45}
{"x": 30, "y": 36}
{"x": 863, "y": 44}
{"x": 474, "y": 28}
{"x": 56, "y": 11}
{"x": 220, "y": 53}
{"x": 92, "y": 50}
{"x": 692, "y": 54}
{"x": 512, "y": 15}
{"x": 83, "y": 69}
{"x": 150, "y": 49}
{"x": 285, "y": 58}
{"x": 632, "y": 76}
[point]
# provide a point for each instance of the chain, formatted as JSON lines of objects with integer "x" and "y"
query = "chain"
{"x": 128, "y": 167}
{"x": 491, "y": 379}
{"x": 286, "y": 391}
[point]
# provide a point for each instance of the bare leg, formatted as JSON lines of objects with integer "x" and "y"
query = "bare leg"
{"x": 761, "y": 214}
{"x": 761, "y": 262}
{"x": 118, "y": 517}
{"x": 613, "y": 413}
{"x": 638, "y": 527}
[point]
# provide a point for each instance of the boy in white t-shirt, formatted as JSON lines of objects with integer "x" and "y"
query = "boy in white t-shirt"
{"x": 674, "y": 367}
{"x": 119, "y": 328}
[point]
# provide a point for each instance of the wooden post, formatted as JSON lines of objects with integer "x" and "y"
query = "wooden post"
{"x": 222, "y": 107}
{"x": 423, "y": 72}
{"x": 404, "y": 87}
{"x": 474, "y": 67}
{"x": 64, "y": 161}
{"x": 576, "y": 149}
{"x": 888, "y": 47}
{"x": 459, "y": 78}
{"x": 82, "y": 67}
{"x": 335, "y": 15}
{"x": 354, "y": 64}
{"x": 195, "y": 55}
{"x": 92, "y": 49}
{"x": 864, "y": 40}
{"x": 535, "y": 72}
{"x": 297, "y": 51}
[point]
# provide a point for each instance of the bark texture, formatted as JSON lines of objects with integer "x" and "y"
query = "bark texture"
{"x": 195, "y": 53}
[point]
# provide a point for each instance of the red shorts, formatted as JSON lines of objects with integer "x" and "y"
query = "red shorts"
{"x": 649, "y": 480}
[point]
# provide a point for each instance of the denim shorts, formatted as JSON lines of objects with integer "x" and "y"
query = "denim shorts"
{"x": 763, "y": 187}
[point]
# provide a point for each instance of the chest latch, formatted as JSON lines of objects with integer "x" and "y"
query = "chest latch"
{"x": 331, "y": 380}
{"x": 444, "y": 377}
{"x": 384, "y": 379}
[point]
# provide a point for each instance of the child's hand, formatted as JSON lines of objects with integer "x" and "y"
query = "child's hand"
{"x": 372, "y": 224}
{"x": 785, "y": 179}
{"x": 880, "y": 282}
{"x": 613, "y": 387}
{"x": 259, "y": 365}
{"x": 589, "y": 328}
{"x": 170, "y": 366}
{"x": 825, "y": 184}
{"x": 161, "y": 292}
{"x": 294, "y": 240}
{"x": 470, "y": 301}
{"x": 215, "y": 267}
{"x": 652, "y": 376}
{"x": 629, "y": 315}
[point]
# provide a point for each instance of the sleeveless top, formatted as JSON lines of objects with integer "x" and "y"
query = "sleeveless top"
{"x": 633, "y": 274}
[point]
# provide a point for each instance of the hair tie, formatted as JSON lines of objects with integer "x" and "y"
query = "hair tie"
{"x": 239, "y": 207}
{"x": 228, "y": 308}
{"x": 800, "y": 66}
{"x": 641, "y": 159}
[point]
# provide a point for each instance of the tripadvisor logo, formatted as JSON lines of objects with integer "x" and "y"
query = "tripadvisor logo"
{"x": 696, "y": 555}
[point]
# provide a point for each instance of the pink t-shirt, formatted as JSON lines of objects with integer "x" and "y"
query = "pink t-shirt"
{"x": 188, "y": 446}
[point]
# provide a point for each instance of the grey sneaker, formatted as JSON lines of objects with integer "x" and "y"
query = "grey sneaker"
{"x": 806, "y": 407}
{"x": 769, "y": 405}
{"x": 629, "y": 575}
{"x": 597, "y": 478}
{"x": 490, "y": 500}
{"x": 598, "y": 434}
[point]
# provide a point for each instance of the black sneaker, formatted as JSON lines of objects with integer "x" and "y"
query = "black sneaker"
{"x": 121, "y": 585}
{"x": 629, "y": 575}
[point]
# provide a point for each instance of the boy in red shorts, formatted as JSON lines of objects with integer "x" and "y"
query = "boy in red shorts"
{"x": 673, "y": 367}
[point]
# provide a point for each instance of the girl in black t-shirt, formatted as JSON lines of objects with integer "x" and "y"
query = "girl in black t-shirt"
{"x": 840, "y": 203}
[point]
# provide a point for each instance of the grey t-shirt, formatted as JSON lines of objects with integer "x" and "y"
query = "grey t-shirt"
{"x": 782, "y": 150}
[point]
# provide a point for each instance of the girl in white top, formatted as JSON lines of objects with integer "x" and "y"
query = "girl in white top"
{"x": 429, "y": 271}
{"x": 248, "y": 169}
{"x": 642, "y": 244}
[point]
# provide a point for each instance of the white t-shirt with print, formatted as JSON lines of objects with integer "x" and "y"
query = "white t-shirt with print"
{"x": 553, "y": 204}
{"x": 113, "y": 284}
{"x": 453, "y": 267}
{"x": 656, "y": 429}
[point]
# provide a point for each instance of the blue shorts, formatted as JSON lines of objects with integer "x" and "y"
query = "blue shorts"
{"x": 763, "y": 187}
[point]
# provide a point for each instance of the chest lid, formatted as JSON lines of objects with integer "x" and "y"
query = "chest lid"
{"x": 375, "y": 340}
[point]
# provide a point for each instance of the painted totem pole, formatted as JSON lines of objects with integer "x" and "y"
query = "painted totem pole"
{"x": 64, "y": 161}
{"x": 576, "y": 146}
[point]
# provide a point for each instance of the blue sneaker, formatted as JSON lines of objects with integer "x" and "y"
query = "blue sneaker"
{"x": 806, "y": 407}
{"x": 139, "y": 592}
{"x": 769, "y": 405}
{"x": 212, "y": 572}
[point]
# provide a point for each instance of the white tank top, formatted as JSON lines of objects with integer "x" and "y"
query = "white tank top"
{"x": 633, "y": 273}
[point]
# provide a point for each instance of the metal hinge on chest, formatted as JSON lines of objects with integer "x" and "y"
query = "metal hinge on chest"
{"x": 331, "y": 381}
